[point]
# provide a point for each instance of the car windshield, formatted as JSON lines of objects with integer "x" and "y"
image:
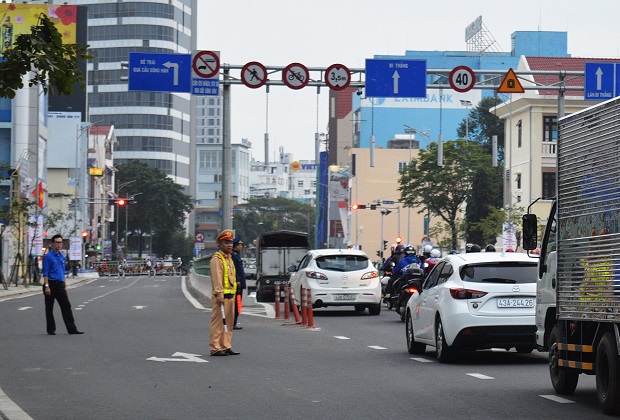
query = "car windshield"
{"x": 342, "y": 262}
{"x": 501, "y": 272}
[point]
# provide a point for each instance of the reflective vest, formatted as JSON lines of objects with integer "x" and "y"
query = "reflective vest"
{"x": 226, "y": 281}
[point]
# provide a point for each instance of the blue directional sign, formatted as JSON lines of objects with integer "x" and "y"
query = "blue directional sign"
{"x": 386, "y": 78}
{"x": 600, "y": 81}
{"x": 160, "y": 72}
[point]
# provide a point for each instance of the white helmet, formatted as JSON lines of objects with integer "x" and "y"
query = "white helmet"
{"x": 427, "y": 249}
{"x": 435, "y": 253}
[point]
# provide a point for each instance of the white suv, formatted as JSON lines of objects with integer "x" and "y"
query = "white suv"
{"x": 338, "y": 277}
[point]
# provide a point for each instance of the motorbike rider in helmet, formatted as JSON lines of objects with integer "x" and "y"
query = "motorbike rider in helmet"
{"x": 409, "y": 257}
{"x": 393, "y": 259}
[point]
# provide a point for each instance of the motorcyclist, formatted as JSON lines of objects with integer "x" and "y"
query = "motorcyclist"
{"x": 489, "y": 248}
{"x": 409, "y": 257}
{"x": 435, "y": 256}
{"x": 393, "y": 259}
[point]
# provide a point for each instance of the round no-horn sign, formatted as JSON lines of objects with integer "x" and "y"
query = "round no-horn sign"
{"x": 462, "y": 79}
{"x": 206, "y": 64}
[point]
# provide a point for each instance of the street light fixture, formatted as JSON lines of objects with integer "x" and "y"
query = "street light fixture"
{"x": 466, "y": 104}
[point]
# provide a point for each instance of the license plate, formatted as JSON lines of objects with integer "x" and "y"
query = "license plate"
{"x": 515, "y": 303}
{"x": 345, "y": 297}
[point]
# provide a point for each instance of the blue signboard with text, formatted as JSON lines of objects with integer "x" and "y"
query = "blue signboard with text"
{"x": 601, "y": 81}
{"x": 386, "y": 78}
{"x": 160, "y": 72}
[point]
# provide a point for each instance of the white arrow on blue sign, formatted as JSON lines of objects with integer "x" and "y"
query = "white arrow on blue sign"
{"x": 160, "y": 72}
{"x": 600, "y": 81}
{"x": 387, "y": 78}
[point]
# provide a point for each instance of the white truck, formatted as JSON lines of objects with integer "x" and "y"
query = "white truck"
{"x": 275, "y": 252}
{"x": 578, "y": 290}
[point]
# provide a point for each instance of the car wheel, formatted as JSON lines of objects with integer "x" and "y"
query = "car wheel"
{"x": 443, "y": 350}
{"x": 607, "y": 375}
{"x": 413, "y": 346}
{"x": 564, "y": 381}
{"x": 374, "y": 309}
{"x": 360, "y": 308}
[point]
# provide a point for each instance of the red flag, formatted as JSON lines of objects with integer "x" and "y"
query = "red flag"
{"x": 39, "y": 194}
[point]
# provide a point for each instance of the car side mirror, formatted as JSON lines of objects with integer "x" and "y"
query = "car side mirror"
{"x": 291, "y": 269}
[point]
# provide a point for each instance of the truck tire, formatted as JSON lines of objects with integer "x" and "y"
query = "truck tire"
{"x": 564, "y": 381}
{"x": 607, "y": 375}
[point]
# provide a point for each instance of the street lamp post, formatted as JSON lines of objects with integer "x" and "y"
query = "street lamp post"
{"x": 466, "y": 104}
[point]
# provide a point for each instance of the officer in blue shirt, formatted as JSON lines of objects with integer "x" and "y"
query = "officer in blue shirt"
{"x": 54, "y": 288}
{"x": 236, "y": 257}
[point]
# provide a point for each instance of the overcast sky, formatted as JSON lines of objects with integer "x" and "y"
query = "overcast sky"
{"x": 318, "y": 33}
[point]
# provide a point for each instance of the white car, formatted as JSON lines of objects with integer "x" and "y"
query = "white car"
{"x": 338, "y": 277}
{"x": 474, "y": 301}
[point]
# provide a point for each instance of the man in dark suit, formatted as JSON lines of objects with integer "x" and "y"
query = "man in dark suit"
{"x": 236, "y": 256}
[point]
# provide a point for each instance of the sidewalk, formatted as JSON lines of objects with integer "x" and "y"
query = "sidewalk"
{"x": 33, "y": 289}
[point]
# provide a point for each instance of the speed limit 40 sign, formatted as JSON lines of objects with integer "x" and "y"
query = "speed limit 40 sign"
{"x": 462, "y": 78}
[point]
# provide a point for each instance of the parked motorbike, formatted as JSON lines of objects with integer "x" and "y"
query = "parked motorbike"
{"x": 410, "y": 283}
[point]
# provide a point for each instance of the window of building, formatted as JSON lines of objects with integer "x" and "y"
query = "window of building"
{"x": 548, "y": 185}
{"x": 519, "y": 134}
{"x": 209, "y": 159}
{"x": 402, "y": 166}
{"x": 550, "y": 129}
{"x": 518, "y": 181}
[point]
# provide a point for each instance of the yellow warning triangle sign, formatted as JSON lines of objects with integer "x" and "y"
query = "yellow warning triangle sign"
{"x": 510, "y": 84}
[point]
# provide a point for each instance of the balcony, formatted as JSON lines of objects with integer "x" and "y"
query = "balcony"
{"x": 549, "y": 154}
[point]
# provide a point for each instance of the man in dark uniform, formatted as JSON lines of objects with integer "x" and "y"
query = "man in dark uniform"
{"x": 236, "y": 256}
{"x": 54, "y": 288}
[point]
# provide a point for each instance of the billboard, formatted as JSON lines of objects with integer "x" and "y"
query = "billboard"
{"x": 16, "y": 19}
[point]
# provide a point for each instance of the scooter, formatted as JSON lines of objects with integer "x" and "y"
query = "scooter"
{"x": 412, "y": 282}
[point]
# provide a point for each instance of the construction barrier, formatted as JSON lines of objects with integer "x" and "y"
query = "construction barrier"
{"x": 287, "y": 303}
{"x": 310, "y": 309}
{"x": 304, "y": 309}
{"x": 295, "y": 310}
{"x": 277, "y": 300}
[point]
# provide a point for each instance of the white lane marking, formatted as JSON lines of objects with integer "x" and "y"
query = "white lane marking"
{"x": 23, "y": 308}
{"x": 81, "y": 306}
{"x": 480, "y": 376}
{"x": 185, "y": 357}
{"x": 557, "y": 399}
{"x": 10, "y": 410}
{"x": 188, "y": 296}
{"x": 139, "y": 307}
{"x": 78, "y": 309}
{"x": 420, "y": 359}
{"x": 378, "y": 347}
{"x": 341, "y": 337}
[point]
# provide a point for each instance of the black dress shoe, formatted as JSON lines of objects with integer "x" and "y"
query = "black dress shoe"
{"x": 237, "y": 327}
{"x": 231, "y": 352}
{"x": 51, "y": 333}
{"x": 219, "y": 353}
{"x": 76, "y": 332}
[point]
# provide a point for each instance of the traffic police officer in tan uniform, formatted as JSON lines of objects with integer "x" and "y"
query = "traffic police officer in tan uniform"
{"x": 224, "y": 287}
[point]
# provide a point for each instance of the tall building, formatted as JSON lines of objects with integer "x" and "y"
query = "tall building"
{"x": 153, "y": 127}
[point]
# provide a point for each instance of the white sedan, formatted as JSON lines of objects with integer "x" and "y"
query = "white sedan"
{"x": 474, "y": 301}
{"x": 338, "y": 277}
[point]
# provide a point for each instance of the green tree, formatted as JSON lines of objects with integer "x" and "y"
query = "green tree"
{"x": 442, "y": 190}
{"x": 53, "y": 65}
{"x": 483, "y": 125}
{"x": 260, "y": 215}
{"x": 158, "y": 207}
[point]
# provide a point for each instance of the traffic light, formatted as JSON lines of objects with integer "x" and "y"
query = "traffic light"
{"x": 121, "y": 202}
{"x": 84, "y": 236}
{"x": 355, "y": 206}
{"x": 384, "y": 245}
{"x": 399, "y": 239}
